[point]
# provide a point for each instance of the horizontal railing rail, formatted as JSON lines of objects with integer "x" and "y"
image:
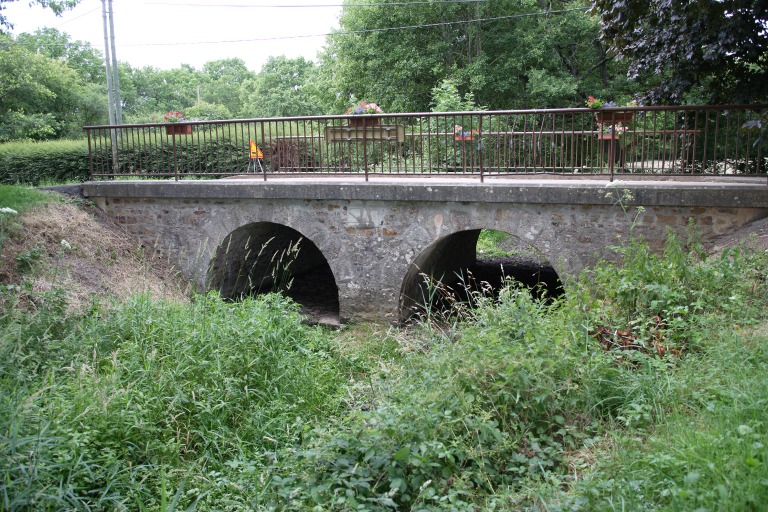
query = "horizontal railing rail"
{"x": 727, "y": 140}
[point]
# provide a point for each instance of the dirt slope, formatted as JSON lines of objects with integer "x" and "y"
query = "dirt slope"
{"x": 752, "y": 234}
{"x": 72, "y": 246}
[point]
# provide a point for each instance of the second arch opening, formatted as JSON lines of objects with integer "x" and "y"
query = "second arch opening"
{"x": 454, "y": 268}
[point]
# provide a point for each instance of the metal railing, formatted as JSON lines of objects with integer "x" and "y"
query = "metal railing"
{"x": 691, "y": 140}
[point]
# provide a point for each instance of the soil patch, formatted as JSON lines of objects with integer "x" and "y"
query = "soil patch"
{"x": 72, "y": 247}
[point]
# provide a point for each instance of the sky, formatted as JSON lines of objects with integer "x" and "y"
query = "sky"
{"x": 168, "y": 33}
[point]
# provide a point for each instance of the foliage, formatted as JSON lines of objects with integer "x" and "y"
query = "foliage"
{"x": 14, "y": 201}
{"x": 221, "y": 83}
{"x": 32, "y": 163}
{"x": 41, "y": 97}
{"x": 151, "y": 387}
{"x": 87, "y": 61}
{"x": 689, "y": 43}
{"x": 57, "y": 6}
{"x": 511, "y": 54}
{"x": 284, "y": 87}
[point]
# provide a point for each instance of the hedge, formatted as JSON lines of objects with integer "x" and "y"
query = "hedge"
{"x": 33, "y": 163}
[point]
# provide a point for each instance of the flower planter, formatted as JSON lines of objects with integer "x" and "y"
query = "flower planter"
{"x": 464, "y": 137}
{"x": 614, "y": 117}
{"x": 178, "y": 129}
{"x": 384, "y": 132}
{"x": 369, "y": 120}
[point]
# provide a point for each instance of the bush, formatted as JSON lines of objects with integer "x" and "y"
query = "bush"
{"x": 32, "y": 163}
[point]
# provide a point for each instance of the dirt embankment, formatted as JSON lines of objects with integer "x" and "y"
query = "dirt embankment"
{"x": 71, "y": 246}
{"x": 755, "y": 234}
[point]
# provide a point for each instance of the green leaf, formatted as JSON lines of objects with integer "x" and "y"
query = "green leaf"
{"x": 402, "y": 454}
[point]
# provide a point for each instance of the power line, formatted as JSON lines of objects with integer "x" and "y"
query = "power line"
{"x": 350, "y": 32}
{"x": 365, "y": 31}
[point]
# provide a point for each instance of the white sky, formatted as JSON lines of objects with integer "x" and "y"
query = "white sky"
{"x": 167, "y": 33}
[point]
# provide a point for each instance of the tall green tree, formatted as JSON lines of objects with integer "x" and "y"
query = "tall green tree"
{"x": 153, "y": 91}
{"x": 509, "y": 53}
{"x": 283, "y": 87}
{"x": 715, "y": 49}
{"x": 41, "y": 97}
{"x": 221, "y": 83}
{"x": 78, "y": 55}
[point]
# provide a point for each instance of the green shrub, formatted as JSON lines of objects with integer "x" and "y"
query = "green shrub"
{"x": 32, "y": 163}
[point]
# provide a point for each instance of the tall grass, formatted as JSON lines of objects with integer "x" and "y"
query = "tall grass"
{"x": 142, "y": 395}
{"x": 643, "y": 388}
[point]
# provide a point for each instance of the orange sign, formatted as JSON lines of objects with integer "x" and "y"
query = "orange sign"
{"x": 255, "y": 151}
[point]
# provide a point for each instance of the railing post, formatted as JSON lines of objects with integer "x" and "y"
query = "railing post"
{"x": 90, "y": 153}
{"x": 480, "y": 147}
{"x": 365, "y": 147}
{"x": 175, "y": 162}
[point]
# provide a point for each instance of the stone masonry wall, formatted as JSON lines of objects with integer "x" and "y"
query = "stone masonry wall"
{"x": 370, "y": 243}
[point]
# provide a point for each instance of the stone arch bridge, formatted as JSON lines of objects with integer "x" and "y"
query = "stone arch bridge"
{"x": 368, "y": 244}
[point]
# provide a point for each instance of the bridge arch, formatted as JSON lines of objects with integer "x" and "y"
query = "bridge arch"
{"x": 263, "y": 257}
{"x": 455, "y": 263}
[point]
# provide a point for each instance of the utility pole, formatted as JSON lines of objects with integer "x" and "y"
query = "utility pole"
{"x": 116, "y": 79}
{"x": 113, "y": 78}
{"x": 107, "y": 64}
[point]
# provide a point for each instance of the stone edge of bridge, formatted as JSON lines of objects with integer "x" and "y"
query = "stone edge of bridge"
{"x": 662, "y": 193}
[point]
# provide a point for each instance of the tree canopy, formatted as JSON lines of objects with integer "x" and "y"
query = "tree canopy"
{"x": 715, "y": 49}
{"x": 509, "y": 53}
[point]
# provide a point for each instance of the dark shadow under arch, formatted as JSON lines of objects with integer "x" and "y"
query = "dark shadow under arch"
{"x": 454, "y": 264}
{"x": 267, "y": 257}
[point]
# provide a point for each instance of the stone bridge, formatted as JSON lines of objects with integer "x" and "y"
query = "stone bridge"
{"x": 367, "y": 245}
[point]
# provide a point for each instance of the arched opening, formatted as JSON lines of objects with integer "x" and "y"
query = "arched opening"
{"x": 266, "y": 257}
{"x": 458, "y": 265}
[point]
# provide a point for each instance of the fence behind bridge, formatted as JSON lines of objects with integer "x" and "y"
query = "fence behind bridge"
{"x": 692, "y": 140}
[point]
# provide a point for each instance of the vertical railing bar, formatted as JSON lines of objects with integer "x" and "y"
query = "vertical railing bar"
{"x": 706, "y": 141}
{"x": 738, "y": 136}
{"x": 695, "y": 136}
{"x": 479, "y": 148}
{"x": 748, "y": 136}
{"x": 725, "y": 149}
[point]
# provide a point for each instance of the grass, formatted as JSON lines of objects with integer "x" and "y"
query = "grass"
{"x": 643, "y": 388}
{"x": 22, "y": 199}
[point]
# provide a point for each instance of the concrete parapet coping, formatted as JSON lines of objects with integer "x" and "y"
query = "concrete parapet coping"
{"x": 726, "y": 192}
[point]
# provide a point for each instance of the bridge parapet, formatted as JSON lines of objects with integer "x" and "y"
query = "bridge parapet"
{"x": 724, "y": 140}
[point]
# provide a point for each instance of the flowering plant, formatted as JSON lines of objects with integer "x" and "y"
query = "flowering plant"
{"x": 365, "y": 108}
{"x": 593, "y": 102}
{"x": 173, "y": 117}
{"x": 461, "y": 133}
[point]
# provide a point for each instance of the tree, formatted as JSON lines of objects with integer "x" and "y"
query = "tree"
{"x": 222, "y": 80}
{"x": 57, "y": 6}
{"x": 78, "y": 55}
{"x": 41, "y": 97}
{"x": 283, "y": 88}
{"x": 509, "y": 53}
{"x": 691, "y": 44}
{"x": 154, "y": 91}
